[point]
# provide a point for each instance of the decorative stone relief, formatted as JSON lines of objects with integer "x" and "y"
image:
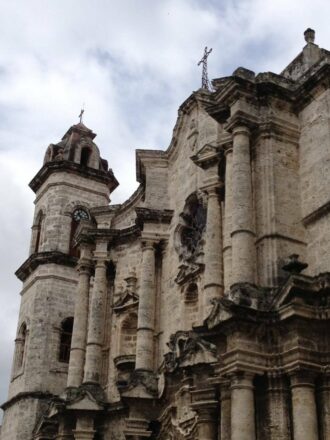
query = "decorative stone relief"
{"x": 189, "y": 237}
{"x": 188, "y": 349}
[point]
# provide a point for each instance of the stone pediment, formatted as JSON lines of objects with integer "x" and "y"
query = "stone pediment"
{"x": 188, "y": 271}
{"x": 221, "y": 312}
{"x": 127, "y": 300}
{"x": 188, "y": 349}
{"x": 304, "y": 289}
{"x": 208, "y": 154}
{"x": 85, "y": 402}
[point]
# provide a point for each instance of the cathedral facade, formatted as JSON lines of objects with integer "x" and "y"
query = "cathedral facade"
{"x": 198, "y": 309}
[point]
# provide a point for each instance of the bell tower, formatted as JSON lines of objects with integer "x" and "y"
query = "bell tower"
{"x": 73, "y": 179}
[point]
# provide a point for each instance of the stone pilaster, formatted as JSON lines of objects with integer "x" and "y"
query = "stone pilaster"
{"x": 79, "y": 333}
{"x": 304, "y": 406}
{"x": 206, "y": 406}
{"x": 278, "y": 408}
{"x": 243, "y": 235}
{"x": 146, "y": 312}
{"x": 93, "y": 363}
{"x": 242, "y": 408}
{"x": 84, "y": 428}
{"x": 324, "y": 396}
{"x": 225, "y": 411}
{"x": 137, "y": 429}
{"x": 227, "y": 227}
{"x": 213, "y": 275}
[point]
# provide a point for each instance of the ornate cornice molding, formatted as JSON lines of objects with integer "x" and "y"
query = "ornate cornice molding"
{"x": 51, "y": 257}
{"x": 148, "y": 215}
{"x": 106, "y": 177}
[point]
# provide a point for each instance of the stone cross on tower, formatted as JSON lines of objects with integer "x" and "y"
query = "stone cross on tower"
{"x": 81, "y": 115}
{"x": 205, "y": 80}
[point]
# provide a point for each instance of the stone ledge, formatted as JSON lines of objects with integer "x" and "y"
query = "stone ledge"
{"x": 51, "y": 257}
{"x": 106, "y": 177}
{"x": 27, "y": 395}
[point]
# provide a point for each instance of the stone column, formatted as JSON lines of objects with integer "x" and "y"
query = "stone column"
{"x": 213, "y": 275}
{"x": 84, "y": 428}
{"x": 79, "y": 333}
{"x": 278, "y": 398}
{"x": 227, "y": 227}
{"x": 146, "y": 312}
{"x": 93, "y": 363}
{"x": 206, "y": 406}
{"x": 304, "y": 407}
{"x": 242, "y": 408}
{"x": 324, "y": 396}
{"x": 225, "y": 411}
{"x": 243, "y": 236}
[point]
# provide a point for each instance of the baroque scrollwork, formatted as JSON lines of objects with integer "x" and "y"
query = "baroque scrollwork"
{"x": 187, "y": 349}
{"x": 189, "y": 237}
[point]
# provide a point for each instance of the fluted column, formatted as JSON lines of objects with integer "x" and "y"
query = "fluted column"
{"x": 324, "y": 396}
{"x": 227, "y": 229}
{"x": 79, "y": 332}
{"x": 242, "y": 408}
{"x": 213, "y": 275}
{"x": 278, "y": 398}
{"x": 146, "y": 312}
{"x": 93, "y": 363}
{"x": 304, "y": 407}
{"x": 225, "y": 411}
{"x": 243, "y": 236}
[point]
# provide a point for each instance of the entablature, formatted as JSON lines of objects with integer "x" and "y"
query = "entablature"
{"x": 106, "y": 177}
{"x": 51, "y": 257}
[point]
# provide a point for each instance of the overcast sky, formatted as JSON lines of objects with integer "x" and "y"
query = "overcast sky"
{"x": 132, "y": 63}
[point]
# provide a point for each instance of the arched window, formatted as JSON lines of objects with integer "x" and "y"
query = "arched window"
{"x": 85, "y": 155}
{"x": 20, "y": 347}
{"x": 128, "y": 335}
{"x": 77, "y": 215}
{"x": 38, "y": 232}
{"x": 65, "y": 340}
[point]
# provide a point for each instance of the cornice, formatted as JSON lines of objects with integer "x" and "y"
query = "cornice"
{"x": 51, "y": 257}
{"x": 106, "y": 177}
{"x": 27, "y": 395}
{"x": 114, "y": 236}
{"x": 148, "y": 215}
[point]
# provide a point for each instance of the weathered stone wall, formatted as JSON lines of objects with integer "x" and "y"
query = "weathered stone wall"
{"x": 315, "y": 179}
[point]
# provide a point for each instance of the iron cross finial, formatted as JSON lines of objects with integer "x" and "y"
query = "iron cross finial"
{"x": 205, "y": 79}
{"x": 82, "y": 111}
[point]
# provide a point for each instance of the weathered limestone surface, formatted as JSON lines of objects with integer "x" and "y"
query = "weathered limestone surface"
{"x": 199, "y": 308}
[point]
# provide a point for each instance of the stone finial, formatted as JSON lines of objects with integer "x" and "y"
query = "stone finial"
{"x": 293, "y": 265}
{"x": 309, "y": 35}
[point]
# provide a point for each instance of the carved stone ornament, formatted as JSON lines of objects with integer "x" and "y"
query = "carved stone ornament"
{"x": 188, "y": 349}
{"x": 128, "y": 299}
{"x": 189, "y": 237}
{"x": 192, "y": 135}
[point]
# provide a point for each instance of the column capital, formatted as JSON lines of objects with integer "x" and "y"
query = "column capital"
{"x": 149, "y": 241}
{"x": 302, "y": 378}
{"x": 212, "y": 187}
{"x": 242, "y": 120}
{"x": 85, "y": 265}
{"x": 242, "y": 380}
{"x": 228, "y": 150}
{"x": 100, "y": 262}
{"x": 241, "y": 129}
